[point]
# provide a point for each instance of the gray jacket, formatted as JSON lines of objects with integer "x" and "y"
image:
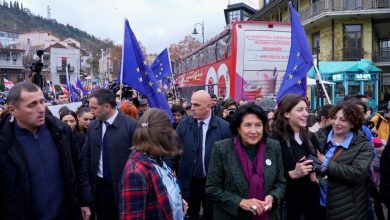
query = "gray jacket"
{"x": 347, "y": 178}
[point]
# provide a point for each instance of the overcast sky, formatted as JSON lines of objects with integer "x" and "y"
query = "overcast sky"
{"x": 156, "y": 23}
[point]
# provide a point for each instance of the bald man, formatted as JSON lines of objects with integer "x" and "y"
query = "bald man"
{"x": 198, "y": 133}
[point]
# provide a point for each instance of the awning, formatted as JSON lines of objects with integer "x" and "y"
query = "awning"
{"x": 334, "y": 67}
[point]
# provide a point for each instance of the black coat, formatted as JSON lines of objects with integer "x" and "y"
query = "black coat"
{"x": 15, "y": 200}
{"x": 302, "y": 196}
{"x": 187, "y": 130}
{"x": 119, "y": 135}
{"x": 385, "y": 175}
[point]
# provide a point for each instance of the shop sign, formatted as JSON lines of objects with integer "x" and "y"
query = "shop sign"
{"x": 337, "y": 77}
{"x": 362, "y": 77}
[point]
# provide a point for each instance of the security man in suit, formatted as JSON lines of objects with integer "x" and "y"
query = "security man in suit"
{"x": 104, "y": 155}
{"x": 198, "y": 133}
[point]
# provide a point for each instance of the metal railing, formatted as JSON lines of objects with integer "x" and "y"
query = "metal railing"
{"x": 353, "y": 54}
{"x": 11, "y": 63}
{"x": 323, "y": 6}
{"x": 61, "y": 69}
{"x": 382, "y": 55}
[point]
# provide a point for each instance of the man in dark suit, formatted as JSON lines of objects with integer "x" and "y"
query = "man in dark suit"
{"x": 198, "y": 133}
{"x": 104, "y": 155}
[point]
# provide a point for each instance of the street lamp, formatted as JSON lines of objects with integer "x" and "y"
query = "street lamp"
{"x": 196, "y": 32}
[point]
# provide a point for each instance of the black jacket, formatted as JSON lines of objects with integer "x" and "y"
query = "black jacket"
{"x": 187, "y": 130}
{"x": 385, "y": 176}
{"x": 15, "y": 200}
{"x": 120, "y": 135}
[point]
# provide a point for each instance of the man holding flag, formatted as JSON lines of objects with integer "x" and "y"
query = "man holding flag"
{"x": 136, "y": 73}
{"x": 300, "y": 60}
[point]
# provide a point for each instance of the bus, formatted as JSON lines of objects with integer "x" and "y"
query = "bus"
{"x": 245, "y": 60}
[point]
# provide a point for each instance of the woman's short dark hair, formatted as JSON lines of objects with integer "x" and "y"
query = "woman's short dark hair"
{"x": 351, "y": 114}
{"x": 244, "y": 110}
{"x": 154, "y": 134}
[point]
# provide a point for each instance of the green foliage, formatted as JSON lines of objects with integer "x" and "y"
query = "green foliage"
{"x": 2, "y": 87}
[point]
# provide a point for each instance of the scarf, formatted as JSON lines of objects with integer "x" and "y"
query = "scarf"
{"x": 253, "y": 172}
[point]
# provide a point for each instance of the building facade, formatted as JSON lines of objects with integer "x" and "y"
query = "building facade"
{"x": 343, "y": 30}
{"x": 58, "y": 54}
{"x": 62, "y": 58}
{"x": 11, "y": 56}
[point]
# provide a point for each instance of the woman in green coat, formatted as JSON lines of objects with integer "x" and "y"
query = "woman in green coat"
{"x": 245, "y": 179}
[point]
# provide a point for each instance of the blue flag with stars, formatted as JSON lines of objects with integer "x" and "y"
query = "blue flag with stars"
{"x": 300, "y": 60}
{"x": 161, "y": 68}
{"x": 137, "y": 74}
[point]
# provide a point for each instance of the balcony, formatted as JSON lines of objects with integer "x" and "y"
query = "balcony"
{"x": 337, "y": 6}
{"x": 382, "y": 55}
{"x": 353, "y": 54}
{"x": 11, "y": 64}
{"x": 61, "y": 69}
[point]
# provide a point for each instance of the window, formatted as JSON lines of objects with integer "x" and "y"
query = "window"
{"x": 353, "y": 36}
{"x": 2, "y": 34}
{"x": 234, "y": 15}
{"x": 315, "y": 43}
{"x": 62, "y": 79}
{"x": 353, "y": 42}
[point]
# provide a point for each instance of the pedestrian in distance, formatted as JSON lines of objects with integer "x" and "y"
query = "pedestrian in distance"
{"x": 246, "y": 178}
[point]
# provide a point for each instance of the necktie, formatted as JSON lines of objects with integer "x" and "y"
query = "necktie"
{"x": 198, "y": 172}
{"x": 106, "y": 165}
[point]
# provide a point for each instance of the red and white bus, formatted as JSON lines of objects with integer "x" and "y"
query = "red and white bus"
{"x": 243, "y": 61}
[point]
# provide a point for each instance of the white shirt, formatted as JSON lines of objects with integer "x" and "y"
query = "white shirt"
{"x": 104, "y": 128}
{"x": 204, "y": 128}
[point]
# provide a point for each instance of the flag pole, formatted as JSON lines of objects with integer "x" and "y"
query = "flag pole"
{"x": 172, "y": 79}
{"x": 68, "y": 82}
{"x": 121, "y": 74}
{"x": 321, "y": 82}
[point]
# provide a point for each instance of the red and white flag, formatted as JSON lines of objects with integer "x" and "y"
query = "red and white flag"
{"x": 8, "y": 84}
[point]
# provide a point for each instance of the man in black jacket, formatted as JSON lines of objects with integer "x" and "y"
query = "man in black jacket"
{"x": 104, "y": 155}
{"x": 37, "y": 158}
{"x": 198, "y": 133}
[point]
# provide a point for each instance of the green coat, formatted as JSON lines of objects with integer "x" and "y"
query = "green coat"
{"x": 347, "y": 178}
{"x": 226, "y": 183}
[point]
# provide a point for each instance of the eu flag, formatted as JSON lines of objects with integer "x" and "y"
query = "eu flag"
{"x": 161, "y": 68}
{"x": 137, "y": 74}
{"x": 300, "y": 60}
{"x": 80, "y": 87}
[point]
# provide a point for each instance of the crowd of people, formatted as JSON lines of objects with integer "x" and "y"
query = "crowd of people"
{"x": 219, "y": 159}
